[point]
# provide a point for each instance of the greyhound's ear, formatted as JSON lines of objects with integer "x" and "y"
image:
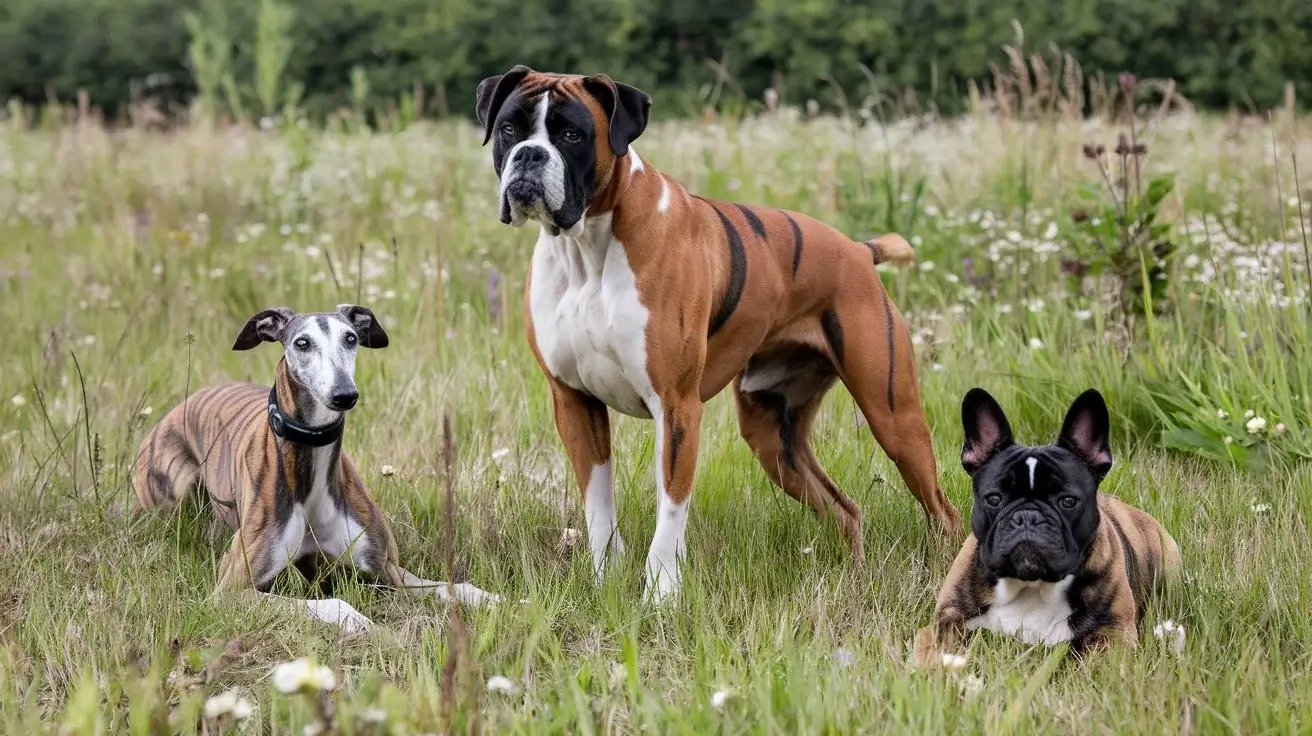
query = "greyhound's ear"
{"x": 366, "y": 325}
{"x": 267, "y": 326}
{"x": 627, "y": 107}
{"x": 492, "y": 93}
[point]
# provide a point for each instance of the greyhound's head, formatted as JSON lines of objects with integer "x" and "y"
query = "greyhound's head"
{"x": 318, "y": 347}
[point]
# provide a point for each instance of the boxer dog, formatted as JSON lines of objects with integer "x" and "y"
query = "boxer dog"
{"x": 271, "y": 461}
{"x": 1050, "y": 559}
{"x": 649, "y": 300}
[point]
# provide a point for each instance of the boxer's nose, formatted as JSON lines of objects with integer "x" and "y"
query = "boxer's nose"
{"x": 532, "y": 155}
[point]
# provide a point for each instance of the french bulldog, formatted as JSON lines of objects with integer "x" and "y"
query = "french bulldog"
{"x": 1049, "y": 558}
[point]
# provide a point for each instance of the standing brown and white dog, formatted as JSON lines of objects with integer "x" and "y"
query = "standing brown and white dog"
{"x": 271, "y": 461}
{"x": 649, "y": 300}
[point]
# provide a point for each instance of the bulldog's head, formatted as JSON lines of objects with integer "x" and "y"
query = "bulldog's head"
{"x": 556, "y": 139}
{"x": 1036, "y": 508}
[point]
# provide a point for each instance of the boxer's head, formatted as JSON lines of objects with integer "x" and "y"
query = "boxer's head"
{"x": 1036, "y": 508}
{"x": 555, "y": 140}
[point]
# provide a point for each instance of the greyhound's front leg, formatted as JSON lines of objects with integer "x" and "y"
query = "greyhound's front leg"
{"x": 466, "y": 593}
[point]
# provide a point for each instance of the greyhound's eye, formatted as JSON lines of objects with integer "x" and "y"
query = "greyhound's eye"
{"x": 571, "y": 136}
{"x": 302, "y": 344}
{"x": 508, "y": 128}
{"x": 1068, "y": 502}
{"x": 993, "y": 499}
{"x": 350, "y": 339}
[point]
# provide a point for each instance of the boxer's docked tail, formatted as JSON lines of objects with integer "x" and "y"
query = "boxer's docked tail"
{"x": 890, "y": 248}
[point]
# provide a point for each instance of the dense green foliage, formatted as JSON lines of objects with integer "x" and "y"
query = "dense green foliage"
{"x": 1237, "y": 53}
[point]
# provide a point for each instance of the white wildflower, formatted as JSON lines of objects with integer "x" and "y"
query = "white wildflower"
{"x": 844, "y": 657}
{"x": 1014, "y": 236}
{"x": 373, "y": 715}
{"x": 312, "y": 251}
{"x": 1035, "y": 343}
{"x": 1256, "y": 425}
{"x": 388, "y": 471}
{"x": 936, "y": 367}
{"x": 89, "y": 340}
{"x": 1292, "y": 202}
{"x": 1222, "y": 414}
{"x": 156, "y": 269}
{"x": 952, "y": 661}
{"x": 1249, "y": 414}
{"x": 1171, "y": 633}
{"x": 217, "y": 273}
{"x": 718, "y": 699}
{"x": 389, "y": 294}
{"x": 926, "y": 265}
{"x": 18, "y": 401}
{"x": 285, "y": 230}
{"x": 312, "y": 729}
{"x": 502, "y": 684}
{"x": 1228, "y": 440}
{"x": 1004, "y": 308}
{"x": 303, "y": 675}
{"x": 1260, "y": 508}
{"x": 808, "y": 550}
{"x": 500, "y": 453}
{"x": 229, "y": 703}
{"x": 1280, "y": 428}
{"x": 1082, "y": 314}
{"x": 1051, "y": 232}
{"x": 146, "y": 411}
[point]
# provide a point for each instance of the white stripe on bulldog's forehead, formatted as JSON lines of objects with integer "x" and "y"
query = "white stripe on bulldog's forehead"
{"x": 1032, "y": 462}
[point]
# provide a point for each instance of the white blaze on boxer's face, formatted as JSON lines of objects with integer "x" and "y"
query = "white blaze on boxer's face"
{"x": 533, "y": 180}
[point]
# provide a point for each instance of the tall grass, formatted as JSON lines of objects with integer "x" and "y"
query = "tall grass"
{"x": 130, "y": 258}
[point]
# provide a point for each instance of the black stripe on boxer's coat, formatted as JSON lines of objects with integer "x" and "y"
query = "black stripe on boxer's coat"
{"x": 833, "y": 330}
{"x": 737, "y": 273}
{"x": 758, "y": 227}
{"x": 797, "y": 242}
{"x": 888, "y": 320}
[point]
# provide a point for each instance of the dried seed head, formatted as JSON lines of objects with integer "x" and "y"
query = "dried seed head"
{"x": 1079, "y": 215}
{"x": 1127, "y": 81}
{"x": 1122, "y": 145}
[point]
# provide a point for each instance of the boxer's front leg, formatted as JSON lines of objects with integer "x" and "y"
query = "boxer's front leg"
{"x": 584, "y": 426}
{"x": 678, "y": 429}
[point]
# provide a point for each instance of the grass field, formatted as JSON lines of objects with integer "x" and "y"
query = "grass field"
{"x": 128, "y": 261}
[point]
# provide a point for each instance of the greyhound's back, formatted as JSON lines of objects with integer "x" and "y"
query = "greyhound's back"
{"x": 209, "y": 433}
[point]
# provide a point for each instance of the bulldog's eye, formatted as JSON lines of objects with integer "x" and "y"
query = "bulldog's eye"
{"x": 571, "y": 136}
{"x": 508, "y": 128}
{"x": 302, "y": 344}
{"x": 993, "y": 499}
{"x": 1068, "y": 502}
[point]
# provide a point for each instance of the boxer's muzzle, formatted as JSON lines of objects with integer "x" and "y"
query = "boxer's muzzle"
{"x": 533, "y": 185}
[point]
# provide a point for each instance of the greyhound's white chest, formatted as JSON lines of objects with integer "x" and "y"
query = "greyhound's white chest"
{"x": 589, "y": 322}
{"x": 319, "y": 523}
{"x": 1034, "y": 612}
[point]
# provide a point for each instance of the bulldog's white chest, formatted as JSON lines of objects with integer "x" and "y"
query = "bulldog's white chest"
{"x": 588, "y": 320}
{"x": 1034, "y": 612}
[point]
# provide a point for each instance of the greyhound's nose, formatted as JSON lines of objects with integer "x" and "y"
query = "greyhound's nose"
{"x": 344, "y": 400}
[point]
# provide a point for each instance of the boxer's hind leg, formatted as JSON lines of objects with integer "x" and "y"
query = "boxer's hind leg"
{"x": 778, "y": 398}
{"x": 872, "y": 349}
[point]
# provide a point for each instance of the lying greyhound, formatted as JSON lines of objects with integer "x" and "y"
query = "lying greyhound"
{"x": 272, "y": 463}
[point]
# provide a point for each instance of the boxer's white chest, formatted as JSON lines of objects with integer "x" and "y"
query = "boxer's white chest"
{"x": 588, "y": 319}
{"x": 1034, "y": 612}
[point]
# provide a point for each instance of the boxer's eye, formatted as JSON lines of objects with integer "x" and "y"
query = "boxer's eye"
{"x": 508, "y": 129}
{"x": 571, "y": 136}
{"x": 993, "y": 499}
{"x": 1068, "y": 502}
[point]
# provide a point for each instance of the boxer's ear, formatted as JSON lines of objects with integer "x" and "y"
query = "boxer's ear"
{"x": 492, "y": 93}
{"x": 987, "y": 429}
{"x": 267, "y": 326}
{"x": 1085, "y": 433}
{"x": 627, "y": 107}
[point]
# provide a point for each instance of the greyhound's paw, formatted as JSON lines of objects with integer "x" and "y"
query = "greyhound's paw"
{"x": 339, "y": 612}
{"x": 471, "y": 595}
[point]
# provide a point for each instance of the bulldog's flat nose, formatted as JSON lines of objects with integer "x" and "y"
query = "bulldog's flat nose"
{"x": 1025, "y": 518}
{"x": 534, "y": 155}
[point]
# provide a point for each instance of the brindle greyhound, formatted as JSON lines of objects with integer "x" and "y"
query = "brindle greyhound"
{"x": 271, "y": 461}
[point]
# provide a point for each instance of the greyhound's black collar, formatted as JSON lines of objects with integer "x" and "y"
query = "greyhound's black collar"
{"x": 291, "y": 431}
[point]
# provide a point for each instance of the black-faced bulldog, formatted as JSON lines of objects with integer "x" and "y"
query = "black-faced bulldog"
{"x": 1049, "y": 559}
{"x": 649, "y": 300}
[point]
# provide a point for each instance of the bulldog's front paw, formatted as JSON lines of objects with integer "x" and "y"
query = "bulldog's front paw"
{"x": 339, "y": 612}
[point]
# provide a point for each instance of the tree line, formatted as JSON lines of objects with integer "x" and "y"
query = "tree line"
{"x": 255, "y": 57}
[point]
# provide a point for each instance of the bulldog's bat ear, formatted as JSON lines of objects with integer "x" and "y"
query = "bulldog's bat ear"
{"x": 267, "y": 326}
{"x": 366, "y": 325}
{"x": 987, "y": 429}
{"x": 627, "y": 107}
{"x": 1085, "y": 432}
{"x": 492, "y": 94}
